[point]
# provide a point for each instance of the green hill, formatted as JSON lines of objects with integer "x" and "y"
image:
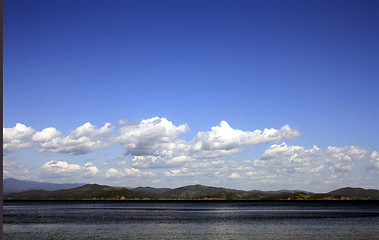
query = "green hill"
{"x": 86, "y": 192}
{"x": 14, "y": 185}
{"x": 193, "y": 192}
{"x": 236, "y": 195}
{"x": 371, "y": 194}
{"x": 150, "y": 189}
{"x": 304, "y": 196}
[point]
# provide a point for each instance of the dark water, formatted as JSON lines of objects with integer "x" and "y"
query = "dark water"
{"x": 191, "y": 220}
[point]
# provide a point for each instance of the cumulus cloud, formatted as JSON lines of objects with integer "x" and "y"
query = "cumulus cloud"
{"x": 59, "y": 169}
{"x": 173, "y": 173}
{"x": 17, "y": 137}
{"x": 184, "y": 172}
{"x": 122, "y": 163}
{"x": 290, "y": 154}
{"x": 45, "y": 135}
{"x": 235, "y": 176}
{"x": 374, "y": 162}
{"x": 13, "y": 168}
{"x": 344, "y": 158}
{"x": 224, "y": 140}
{"x": 225, "y": 137}
{"x": 127, "y": 173}
{"x": 150, "y": 136}
{"x": 133, "y": 172}
{"x": 163, "y": 161}
{"x": 297, "y": 158}
{"x": 154, "y": 142}
{"x": 112, "y": 173}
{"x": 283, "y": 165}
{"x": 86, "y": 138}
{"x": 91, "y": 131}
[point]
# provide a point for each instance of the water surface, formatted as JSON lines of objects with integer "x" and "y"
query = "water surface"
{"x": 191, "y": 219}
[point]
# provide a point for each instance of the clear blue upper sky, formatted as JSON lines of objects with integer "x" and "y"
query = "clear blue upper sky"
{"x": 255, "y": 64}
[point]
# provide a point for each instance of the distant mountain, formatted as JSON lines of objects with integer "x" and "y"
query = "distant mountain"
{"x": 86, "y": 192}
{"x": 150, "y": 189}
{"x": 192, "y": 192}
{"x": 357, "y": 193}
{"x": 286, "y": 191}
{"x": 195, "y": 191}
{"x": 102, "y": 192}
{"x": 304, "y": 196}
{"x": 15, "y": 185}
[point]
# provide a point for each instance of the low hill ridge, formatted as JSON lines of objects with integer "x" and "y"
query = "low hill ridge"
{"x": 150, "y": 189}
{"x": 191, "y": 192}
{"x": 371, "y": 194}
{"x": 195, "y": 191}
{"x": 86, "y": 192}
{"x": 14, "y": 185}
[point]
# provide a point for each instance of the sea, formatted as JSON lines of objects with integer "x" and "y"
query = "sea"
{"x": 190, "y": 220}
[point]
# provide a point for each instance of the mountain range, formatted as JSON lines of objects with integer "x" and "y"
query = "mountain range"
{"x": 14, "y": 185}
{"x": 192, "y": 192}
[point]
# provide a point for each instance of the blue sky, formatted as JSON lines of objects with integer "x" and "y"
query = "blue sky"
{"x": 175, "y": 71}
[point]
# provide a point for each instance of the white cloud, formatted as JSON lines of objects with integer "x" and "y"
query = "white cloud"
{"x": 91, "y": 131}
{"x": 298, "y": 159}
{"x": 270, "y": 181}
{"x": 133, "y": 172}
{"x": 85, "y": 139}
{"x": 150, "y": 136}
{"x": 216, "y": 153}
{"x": 59, "y": 169}
{"x": 235, "y": 176}
{"x": 45, "y": 135}
{"x": 224, "y": 137}
{"x": 127, "y": 173}
{"x": 184, "y": 172}
{"x": 122, "y": 163}
{"x": 215, "y": 168}
{"x": 112, "y": 173}
{"x": 167, "y": 159}
{"x": 90, "y": 169}
{"x": 13, "y": 168}
{"x": 291, "y": 155}
{"x": 344, "y": 158}
{"x": 224, "y": 140}
{"x": 374, "y": 162}
{"x": 16, "y": 138}
{"x": 154, "y": 142}
{"x": 283, "y": 165}
{"x": 172, "y": 173}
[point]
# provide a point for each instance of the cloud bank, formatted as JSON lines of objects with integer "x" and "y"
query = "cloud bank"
{"x": 59, "y": 169}
{"x": 85, "y": 139}
{"x": 17, "y": 138}
{"x": 156, "y": 144}
{"x": 153, "y": 143}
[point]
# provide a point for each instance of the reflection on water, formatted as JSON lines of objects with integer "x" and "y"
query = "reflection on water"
{"x": 191, "y": 220}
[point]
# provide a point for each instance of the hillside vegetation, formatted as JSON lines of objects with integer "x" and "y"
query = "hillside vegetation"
{"x": 15, "y": 185}
{"x": 193, "y": 192}
{"x": 370, "y": 194}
